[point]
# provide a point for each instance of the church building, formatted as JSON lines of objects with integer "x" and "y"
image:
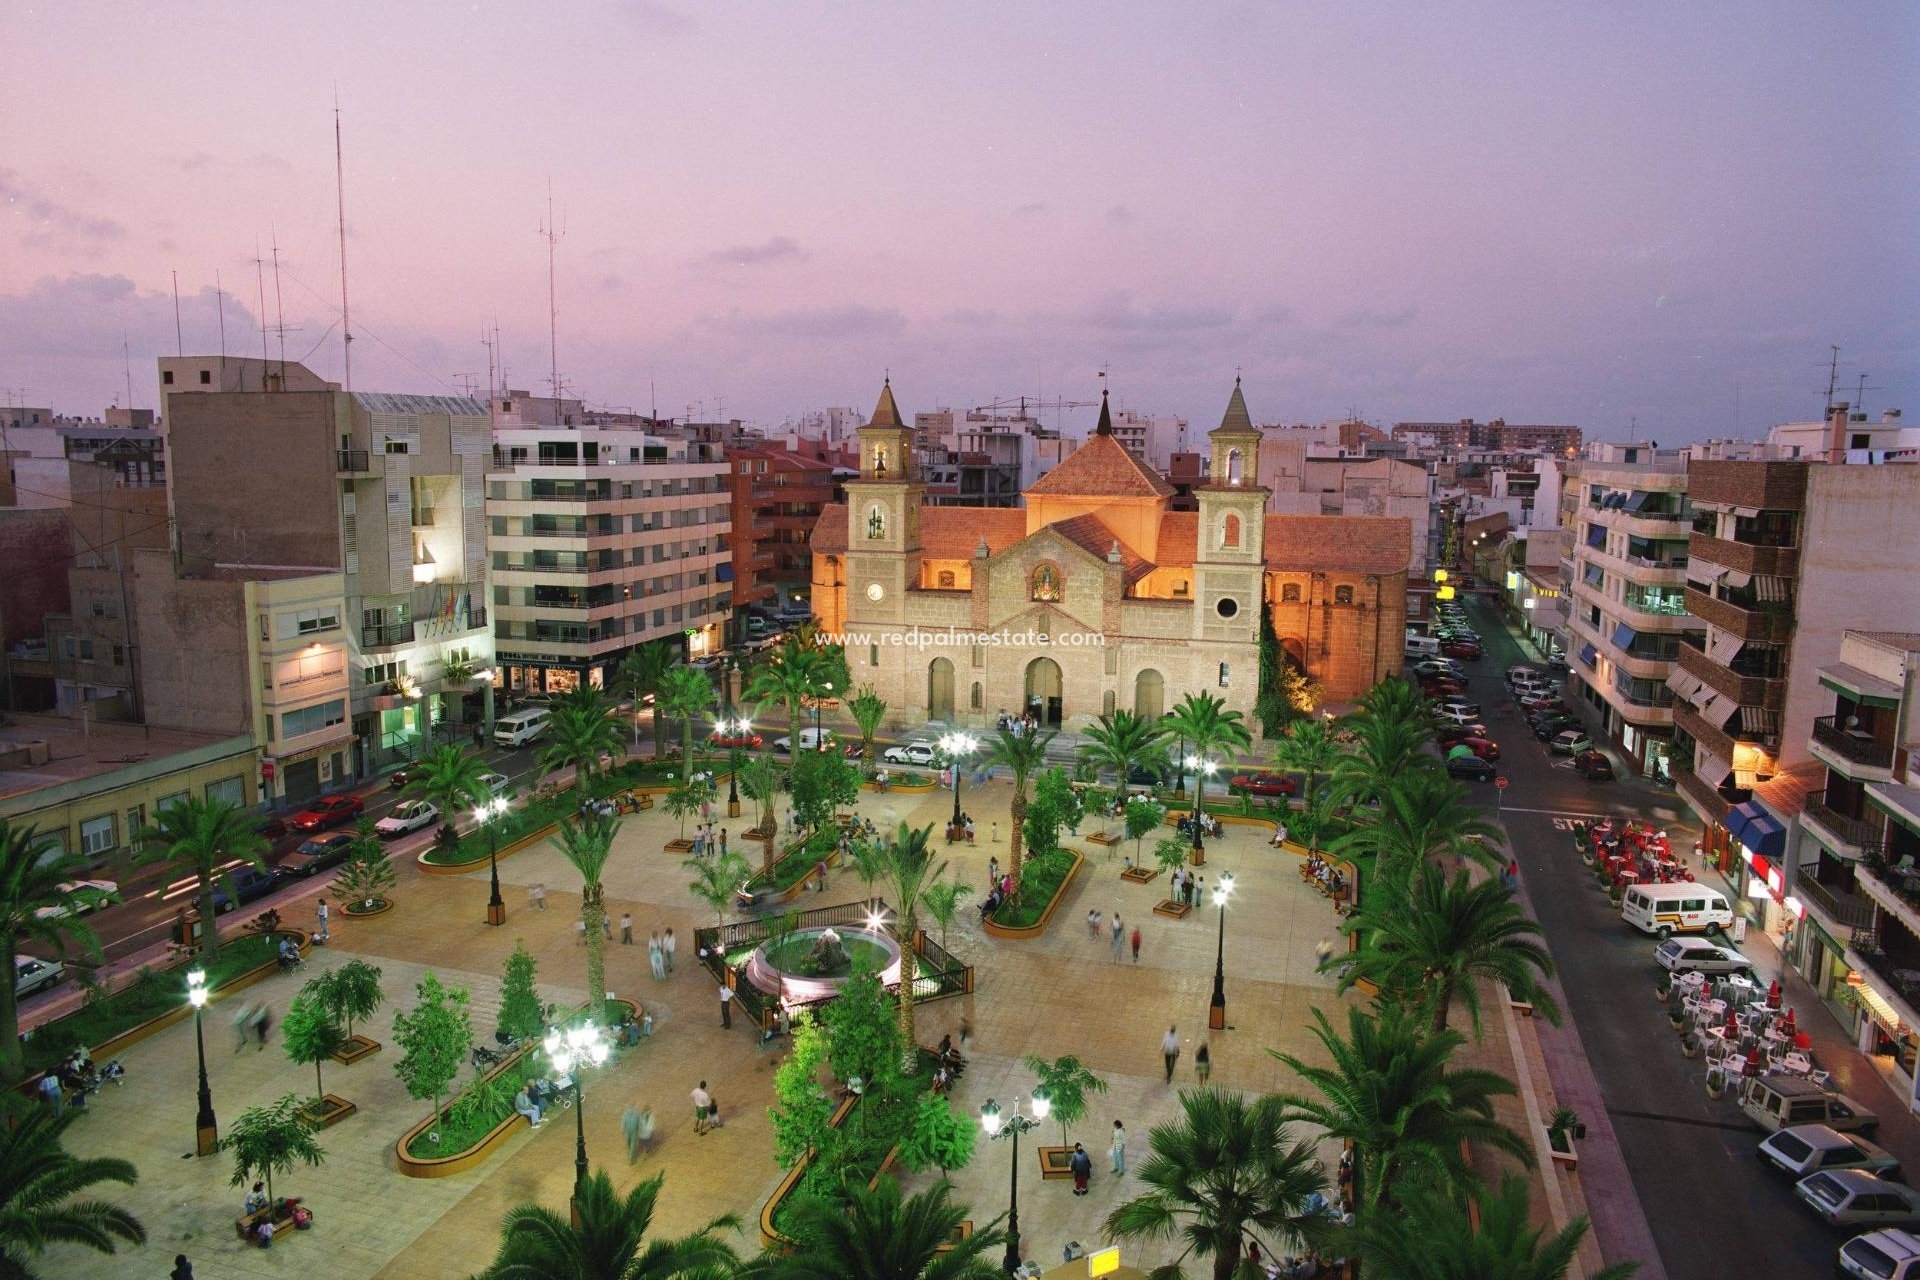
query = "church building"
{"x": 1095, "y": 595}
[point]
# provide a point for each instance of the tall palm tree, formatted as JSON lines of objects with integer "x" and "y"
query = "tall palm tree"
{"x": 1023, "y": 754}
{"x": 717, "y": 879}
{"x": 790, "y": 677}
{"x": 638, "y": 675}
{"x": 201, "y": 835}
{"x": 1432, "y": 1236}
{"x": 1204, "y": 721}
{"x": 1226, "y": 1172}
{"x": 449, "y": 777}
{"x": 586, "y": 842}
{"x": 1423, "y": 814}
{"x": 685, "y": 694}
{"x": 38, "y": 1182}
{"x": 1121, "y": 742}
{"x": 1442, "y": 942}
{"x": 1388, "y": 1088}
{"x": 1308, "y": 747}
{"x": 878, "y": 1235}
{"x": 30, "y": 880}
{"x": 909, "y": 868}
{"x": 579, "y": 732}
{"x": 609, "y": 1244}
{"x": 868, "y": 709}
{"x": 1378, "y": 753}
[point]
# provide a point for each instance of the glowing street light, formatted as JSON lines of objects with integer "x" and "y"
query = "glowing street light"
{"x": 206, "y": 1127}
{"x": 1012, "y": 1124}
{"x": 1217, "y": 1007}
{"x": 571, "y": 1051}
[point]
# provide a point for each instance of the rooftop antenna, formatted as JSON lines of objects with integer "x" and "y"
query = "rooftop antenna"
{"x": 551, "y": 234}
{"x": 340, "y": 196}
{"x": 126, "y": 356}
{"x": 179, "y": 343}
{"x": 220, "y": 301}
{"x": 279, "y": 311}
{"x": 653, "y": 401}
{"x": 486, "y": 340}
{"x": 1833, "y": 375}
{"x": 1860, "y": 396}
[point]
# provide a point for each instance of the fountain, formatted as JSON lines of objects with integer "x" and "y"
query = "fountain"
{"x": 810, "y": 964}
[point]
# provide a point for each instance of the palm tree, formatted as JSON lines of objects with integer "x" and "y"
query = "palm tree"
{"x": 1432, "y": 1236}
{"x": 909, "y": 867}
{"x": 685, "y": 693}
{"x": 868, "y": 709}
{"x": 1443, "y": 942}
{"x": 1225, "y": 1173}
{"x": 1205, "y": 723}
{"x": 761, "y": 781}
{"x": 716, "y": 879}
{"x": 450, "y": 778}
{"x": 791, "y": 676}
{"x": 1388, "y": 1089}
{"x": 638, "y": 675}
{"x": 202, "y": 836}
{"x": 1122, "y": 742}
{"x": 878, "y": 1235}
{"x": 608, "y": 1244}
{"x": 579, "y": 732}
{"x": 1023, "y": 754}
{"x": 1423, "y": 814}
{"x": 1380, "y": 752}
{"x": 1308, "y": 748}
{"x": 38, "y": 1182}
{"x": 586, "y": 842}
{"x": 30, "y": 880}
{"x": 943, "y": 898}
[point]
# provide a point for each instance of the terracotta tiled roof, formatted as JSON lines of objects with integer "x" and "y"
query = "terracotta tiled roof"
{"x": 946, "y": 533}
{"x": 1356, "y": 544}
{"x": 1179, "y": 535}
{"x": 886, "y": 413}
{"x": 1088, "y": 532}
{"x": 1102, "y": 468}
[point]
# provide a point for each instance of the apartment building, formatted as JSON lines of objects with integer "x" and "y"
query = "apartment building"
{"x": 1465, "y": 433}
{"x": 1153, "y": 438}
{"x": 777, "y": 496}
{"x": 994, "y": 457}
{"x": 386, "y": 490}
{"x": 93, "y": 644}
{"x": 603, "y": 537}
{"x": 1626, "y": 509}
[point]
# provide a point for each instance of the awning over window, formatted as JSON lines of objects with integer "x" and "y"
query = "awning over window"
{"x": 1737, "y": 579}
{"x": 1712, "y": 770}
{"x": 1773, "y": 590}
{"x": 1702, "y": 570}
{"x": 1757, "y": 829}
{"x": 1719, "y": 709}
{"x": 1724, "y": 647}
{"x": 1588, "y": 653}
{"x": 1637, "y": 500}
{"x": 1596, "y": 535}
{"x": 1593, "y": 575}
{"x": 1757, "y": 722}
{"x": 1624, "y": 636}
{"x": 1684, "y": 685}
{"x": 1859, "y": 685}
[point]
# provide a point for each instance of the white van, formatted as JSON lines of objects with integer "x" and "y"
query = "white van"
{"x": 1422, "y": 647}
{"x": 1666, "y": 909}
{"x": 520, "y": 728}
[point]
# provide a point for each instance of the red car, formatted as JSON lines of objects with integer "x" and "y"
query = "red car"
{"x": 1447, "y": 735}
{"x": 746, "y": 741}
{"x": 1546, "y": 702}
{"x": 1462, "y": 649}
{"x": 1264, "y": 784}
{"x": 328, "y": 811}
{"x": 1442, "y": 688}
{"x": 1593, "y": 766}
{"x": 1485, "y": 748}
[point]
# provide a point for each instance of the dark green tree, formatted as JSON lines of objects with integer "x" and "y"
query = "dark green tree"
{"x": 521, "y": 1013}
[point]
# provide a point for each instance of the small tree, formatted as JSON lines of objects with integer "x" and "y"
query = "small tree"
{"x": 521, "y": 1013}
{"x": 942, "y": 900}
{"x": 368, "y": 875}
{"x": 1055, "y": 789}
{"x": 801, "y": 1110}
{"x": 436, "y": 1037}
{"x": 351, "y": 992}
{"x": 822, "y": 782}
{"x": 868, "y": 709}
{"x": 863, "y": 1033}
{"x": 761, "y": 782}
{"x": 685, "y": 800}
{"x": 1143, "y": 816}
{"x": 1067, "y": 1081}
{"x": 937, "y": 1137}
{"x": 311, "y": 1033}
{"x": 1171, "y": 852}
{"x": 269, "y": 1140}
{"x": 717, "y": 878}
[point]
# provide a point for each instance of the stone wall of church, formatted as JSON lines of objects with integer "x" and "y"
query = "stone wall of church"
{"x": 1348, "y": 628}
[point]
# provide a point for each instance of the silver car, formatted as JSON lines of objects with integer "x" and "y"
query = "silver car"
{"x": 1850, "y": 1197}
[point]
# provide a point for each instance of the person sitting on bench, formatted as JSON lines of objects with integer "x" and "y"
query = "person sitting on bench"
{"x": 523, "y": 1103}
{"x": 289, "y": 954}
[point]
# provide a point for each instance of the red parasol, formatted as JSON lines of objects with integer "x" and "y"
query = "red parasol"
{"x": 1733, "y": 1023}
{"x": 1773, "y": 994}
{"x": 1753, "y": 1061}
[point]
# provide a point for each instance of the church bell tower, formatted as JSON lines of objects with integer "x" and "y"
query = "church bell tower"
{"x": 883, "y": 517}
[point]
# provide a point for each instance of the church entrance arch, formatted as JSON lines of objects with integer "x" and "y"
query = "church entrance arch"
{"x": 940, "y": 690}
{"x": 1043, "y": 691}
{"x": 1149, "y": 695}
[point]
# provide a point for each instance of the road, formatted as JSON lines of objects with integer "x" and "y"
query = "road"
{"x": 1713, "y": 1209}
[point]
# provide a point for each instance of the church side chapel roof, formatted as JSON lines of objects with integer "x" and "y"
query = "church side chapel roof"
{"x": 1098, "y": 541}
{"x": 1102, "y": 468}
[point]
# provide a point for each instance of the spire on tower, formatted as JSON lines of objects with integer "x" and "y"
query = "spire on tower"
{"x": 886, "y": 413}
{"x": 1106, "y": 418}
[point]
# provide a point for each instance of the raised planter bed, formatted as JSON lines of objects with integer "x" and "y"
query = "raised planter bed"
{"x": 1104, "y": 838}
{"x": 770, "y": 1235}
{"x": 360, "y": 911}
{"x": 1054, "y": 1163}
{"x": 679, "y": 844}
{"x": 1171, "y": 909}
{"x": 281, "y": 1215}
{"x": 463, "y": 868}
{"x": 356, "y": 1048}
{"x": 1140, "y": 875}
{"x": 327, "y": 1110}
{"x": 1039, "y": 926}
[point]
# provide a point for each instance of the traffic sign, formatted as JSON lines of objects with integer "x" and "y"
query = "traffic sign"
{"x": 1500, "y": 783}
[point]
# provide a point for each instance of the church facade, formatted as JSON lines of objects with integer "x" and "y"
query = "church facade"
{"x": 1095, "y": 596}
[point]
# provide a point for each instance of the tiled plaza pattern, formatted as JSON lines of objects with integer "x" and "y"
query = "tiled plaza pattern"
{"x": 1059, "y": 994}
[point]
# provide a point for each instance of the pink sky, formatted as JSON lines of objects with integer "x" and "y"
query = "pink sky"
{"x": 1563, "y": 213}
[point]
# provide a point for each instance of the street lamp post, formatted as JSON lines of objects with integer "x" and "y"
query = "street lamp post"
{"x": 486, "y": 814}
{"x": 1012, "y": 1125}
{"x": 957, "y": 745}
{"x": 817, "y": 744}
{"x": 1202, "y": 770}
{"x": 1217, "y": 1007}
{"x": 206, "y": 1128}
{"x": 572, "y": 1051}
{"x": 736, "y": 730}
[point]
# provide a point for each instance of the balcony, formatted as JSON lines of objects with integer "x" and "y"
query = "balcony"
{"x": 387, "y": 635}
{"x": 1844, "y": 834}
{"x": 1746, "y": 691}
{"x": 1894, "y": 887}
{"x": 1703, "y": 731}
{"x": 1845, "y": 910}
{"x": 1704, "y": 798}
{"x": 354, "y": 462}
{"x": 1772, "y": 624}
{"x": 1776, "y": 562}
{"x": 1892, "y": 977}
{"x": 1860, "y": 754}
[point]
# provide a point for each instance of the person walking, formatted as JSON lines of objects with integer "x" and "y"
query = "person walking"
{"x": 726, "y": 1008}
{"x": 655, "y": 963}
{"x": 1203, "y": 1065}
{"x": 606, "y": 926}
{"x": 723, "y": 842}
{"x": 993, "y": 871}
{"x": 1117, "y": 1151}
{"x": 1170, "y": 1050}
{"x": 626, "y": 928}
{"x": 322, "y": 912}
{"x": 56, "y": 1097}
{"x": 540, "y": 895}
{"x": 630, "y": 1123}
{"x": 261, "y": 1022}
{"x": 182, "y": 1269}
{"x": 1136, "y": 944}
{"x": 1093, "y": 924}
{"x": 1119, "y": 936}
{"x": 702, "y": 1100}
{"x": 666, "y": 948}
{"x": 242, "y": 1024}
{"x": 1082, "y": 1165}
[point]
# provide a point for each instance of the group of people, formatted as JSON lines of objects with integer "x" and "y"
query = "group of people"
{"x": 1209, "y": 826}
{"x": 999, "y": 889}
{"x": 949, "y": 1063}
{"x": 1188, "y": 889}
{"x": 961, "y": 830}
{"x": 660, "y": 948}
{"x": 705, "y": 841}
{"x": 1115, "y": 931}
{"x": 71, "y": 1080}
{"x": 538, "y": 1095}
{"x": 1324, "y": 876}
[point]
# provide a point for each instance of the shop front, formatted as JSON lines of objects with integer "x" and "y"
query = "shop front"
{"x": 1822, "y": 960}
{"x": 1886, "y": 1033}
{"x": 1762, "y": 841}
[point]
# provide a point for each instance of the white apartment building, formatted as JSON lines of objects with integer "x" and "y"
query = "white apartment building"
{"x": 1152, "y": 438}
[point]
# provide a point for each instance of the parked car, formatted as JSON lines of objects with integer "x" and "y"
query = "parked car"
{"x": 1781, "y": 1101}
{"x": 316, "y": 855}
{"x": 402, "y": 776}
{"x": 920, "y": 753}
{"x": 1448, "y": 734}
{"x": 1852, "y": 1197}
{"x": 1548, "y": 727}
{"x": 270, "y": 830}
{"x": 1471, "y": 767}
{"x": 328, "y": 811}
{"x": 1697, "y": 955}
{"x": 810, "y": 740}
{"x": 31, "y": 974}
{"x": 1593, "y": 766}
{"x": 91, "y": 895}
{"x": 1806, "y": 1149}
{"x": 1571, "y": 742}
{"x": 1468, "y": 714}
{"x": 747, "y": 741}
{"x": 1440, "y": 690}
{"x": 1891, "y": 1254}
{"x": 1520, "y": 669}
{"x": 1468, "y": 649}
{"x": 1485, "y": 748}
{"x": 1557, "y": 664}
{"x": 496, "y": 783}
{"x": 413, "y": 815}
{"x": 1436, "y": 667}
{"x": 242, "y": 885}
{"x": 1264, "y": 784}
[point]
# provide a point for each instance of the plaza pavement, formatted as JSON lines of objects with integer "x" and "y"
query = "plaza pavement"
{"x": 1058, "y": 994}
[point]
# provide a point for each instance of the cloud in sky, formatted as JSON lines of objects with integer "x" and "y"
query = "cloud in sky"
{"x": 849, "y": 320}
{"x": 44, "y": 221}
{"x": 774, "y": 249}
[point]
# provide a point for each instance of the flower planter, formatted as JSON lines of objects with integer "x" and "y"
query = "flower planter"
{"x": 326, "y": 1111}
{"x": 679, "y": 845}
{"x": 360, "y": 910}
{"x": 1171, "y": 909}
{"x": 1560, "y": 1147}
{"x": 1140, "y": 875}
{"x": 1039, "y": 926}
{"x": 1104, "y": 838}
{"x": 1055, "y": 1163}
{"x": 1689, "y": 1048}
{"x": 356, "y": 1048}
{"x": 280, "y": 1214}
{"x": 473, "y": 864}
{"x": 769, "y": 1234}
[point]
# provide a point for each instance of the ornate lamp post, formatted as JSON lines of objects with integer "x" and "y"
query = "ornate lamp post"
{"x": 957, "y": 745}
{"x": 736, "y": 730}
{"x": 206, "y": 1128}
{"x": 486, "y": 814}
{"x": 1202, "y": 770}
{"x": 572, "y": 1051}
{"x": 1217, "y": 1007}
{"x": 1011, "y": 1125}
{"x": 817, "y": 744}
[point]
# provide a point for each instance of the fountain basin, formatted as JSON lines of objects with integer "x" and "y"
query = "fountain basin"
{"x": 788, "y": 967}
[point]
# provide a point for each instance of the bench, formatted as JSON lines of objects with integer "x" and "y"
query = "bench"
{"x": 281, "y": 1215}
